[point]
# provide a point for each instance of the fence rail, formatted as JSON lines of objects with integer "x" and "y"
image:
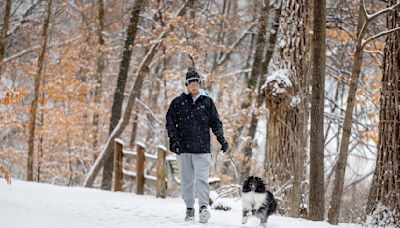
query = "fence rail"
{"x": 160, "y": 179}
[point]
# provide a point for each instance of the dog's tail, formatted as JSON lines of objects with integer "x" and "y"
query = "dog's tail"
{"x": 272, "y": 203}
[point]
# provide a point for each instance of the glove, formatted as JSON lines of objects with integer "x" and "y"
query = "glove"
{"x": 173, "y": 147}
{"x": 225, "y": 146}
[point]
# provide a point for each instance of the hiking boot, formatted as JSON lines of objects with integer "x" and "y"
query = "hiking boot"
{"x": 204, "y": 214}
{"x": 189, "y": 214}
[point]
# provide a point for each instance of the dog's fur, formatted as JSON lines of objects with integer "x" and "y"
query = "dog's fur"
{"x": 257, "y": 200}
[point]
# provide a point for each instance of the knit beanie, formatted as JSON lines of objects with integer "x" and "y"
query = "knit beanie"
{"x": 191, "y": 76}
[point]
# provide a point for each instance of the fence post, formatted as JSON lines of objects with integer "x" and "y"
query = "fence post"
{"x": 118, "y": 147}
{"x": 161, "y": 172}
{"x": 140, "y": 170}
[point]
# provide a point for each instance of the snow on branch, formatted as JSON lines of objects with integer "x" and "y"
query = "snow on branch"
{"x": 149, "y": 111}
{"x": 371, "y": 17}
{"x": 364, "y": 42}
{"x": 100, "y": 159}
{"x": 367, "y": 15}
{"x": 24, "y": 18}
{"x": 284, "y": 187}
{"x": 374, "y": 52}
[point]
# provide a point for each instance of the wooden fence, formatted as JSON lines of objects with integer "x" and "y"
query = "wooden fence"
{"x": 160, "y": 180}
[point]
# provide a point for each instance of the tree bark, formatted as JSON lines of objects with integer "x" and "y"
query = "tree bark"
{"x": 131, "y": 102}
{"x": 116, "y": 109}
{"x": 288, "y": 106}
{"x": 99, "y": 74}
{"x": 385, "y": 187}
{"x": 4, "y": 30}
{"x": 34, "y": 104}
{"x": 316, "y": 198}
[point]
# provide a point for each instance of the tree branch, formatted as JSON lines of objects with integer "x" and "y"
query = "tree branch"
{"x": 366, "y": 14}
{"x": 23, "y": 19}
{"x": 371, "y": 17}
{"x": 234, "y": 45}
{"x": 364, "y": 42}
{"x": 148, "y": 109}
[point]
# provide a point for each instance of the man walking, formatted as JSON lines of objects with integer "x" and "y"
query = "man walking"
{"x": 189, "y": 119}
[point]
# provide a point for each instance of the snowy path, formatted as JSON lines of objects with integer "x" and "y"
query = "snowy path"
{"x": 26, "y": 204}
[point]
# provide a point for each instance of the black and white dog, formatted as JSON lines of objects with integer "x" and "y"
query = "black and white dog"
{"x": 257, "y": 200}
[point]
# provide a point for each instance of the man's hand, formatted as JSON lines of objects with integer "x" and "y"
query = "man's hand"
{"x": 173, "y": 147}
{"x": 225, "y": 147}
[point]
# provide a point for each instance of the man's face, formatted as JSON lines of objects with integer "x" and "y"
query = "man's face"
{"x": 193, "y": 88}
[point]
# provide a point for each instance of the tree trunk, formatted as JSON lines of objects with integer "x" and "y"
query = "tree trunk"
{"x": 333, "y": 214}
{"x": 286, "y": 97}
{"x": 316, "y": 198}
{"x": 256, "y": 73}
{"x": 135, "y": 122}
{"x": 207, "y": 84}
{"x": 260, "y": 96}
{"x": 158, "y": 17}
{"x": 241, "y": 120}
{"x": 99, "y": 74}
{"x": 116, "y": 109}
{"x": 384, "y": 195}
{"x": 131, "y": 102}
{"x": 34, "y": 104}
{"x": 41, "y": 124}
{"x": 4, "y": 30}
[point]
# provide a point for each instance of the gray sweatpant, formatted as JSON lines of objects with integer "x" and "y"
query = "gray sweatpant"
{"x": 194, "y": 171}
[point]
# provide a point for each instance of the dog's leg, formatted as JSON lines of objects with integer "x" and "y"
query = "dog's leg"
{"x": 247, "y": 207}
{"x": 263, "y": 221}
{"x": 245, "y": 216}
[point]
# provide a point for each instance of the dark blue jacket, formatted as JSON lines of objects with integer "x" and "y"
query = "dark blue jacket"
{"x": 189, "y": 123}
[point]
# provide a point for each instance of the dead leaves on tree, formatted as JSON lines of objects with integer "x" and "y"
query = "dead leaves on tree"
{"x": 6, "y": 173}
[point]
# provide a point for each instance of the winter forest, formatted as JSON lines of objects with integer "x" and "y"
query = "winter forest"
{"x": 308, "y": 92}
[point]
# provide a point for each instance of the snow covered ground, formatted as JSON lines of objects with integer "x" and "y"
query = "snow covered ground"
{"x": 25, "y": 204}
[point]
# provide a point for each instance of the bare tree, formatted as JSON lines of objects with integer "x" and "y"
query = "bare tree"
{"x": 99, "y": 72}
{"x": 34, "y": 104}
{"x": 364, "y": 19}
{"x": 316, "y": 198}
{"x": 116, "y": 109}
{"x": 384, "y": 198}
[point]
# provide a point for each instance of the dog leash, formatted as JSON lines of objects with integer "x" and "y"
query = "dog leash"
{"x": 234, "y": 163}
